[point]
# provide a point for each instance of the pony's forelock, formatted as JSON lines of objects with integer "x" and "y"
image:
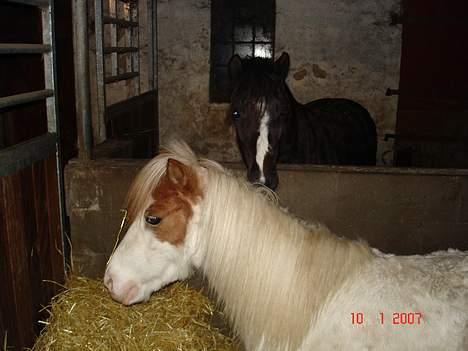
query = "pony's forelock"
{"x": 148, "y": 177}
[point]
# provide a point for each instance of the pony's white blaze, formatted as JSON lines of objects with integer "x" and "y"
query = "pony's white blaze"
{"x": 262, "y": 143}
{"x": 287, "y": 285}
{"x": 143, "y": 264}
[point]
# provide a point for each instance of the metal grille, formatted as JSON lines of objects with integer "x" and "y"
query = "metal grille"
{"x": 19, "y": 156}
{"x": 117, "y": 46}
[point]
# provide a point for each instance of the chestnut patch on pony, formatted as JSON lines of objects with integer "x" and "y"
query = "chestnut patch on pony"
{"x": 176, "y": 193}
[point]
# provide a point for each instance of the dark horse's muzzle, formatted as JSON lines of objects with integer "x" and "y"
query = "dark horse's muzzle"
{"x": 270, "y": 179}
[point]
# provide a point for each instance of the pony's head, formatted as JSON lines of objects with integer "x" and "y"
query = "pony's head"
{"x": 259, "y": 107}
{"x": 156, "y": 249}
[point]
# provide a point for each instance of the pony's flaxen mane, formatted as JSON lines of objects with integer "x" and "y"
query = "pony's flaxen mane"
{"x": 272, "y": 272}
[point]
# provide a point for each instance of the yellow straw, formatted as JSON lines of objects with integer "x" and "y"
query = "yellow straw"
{"x": 118, "y": 234}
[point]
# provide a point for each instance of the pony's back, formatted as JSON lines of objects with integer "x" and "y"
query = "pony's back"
{"x": 399, "y": 303}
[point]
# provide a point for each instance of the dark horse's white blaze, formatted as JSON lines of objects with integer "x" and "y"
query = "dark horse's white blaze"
{"x": 262, "y": 144}
{"x": 285, "y": 284}
{"x": 271, "y": 126}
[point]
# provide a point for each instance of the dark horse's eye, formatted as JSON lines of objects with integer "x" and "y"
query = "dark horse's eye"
{"x": 236, "y": 115}
{"x": 152, "y": 220}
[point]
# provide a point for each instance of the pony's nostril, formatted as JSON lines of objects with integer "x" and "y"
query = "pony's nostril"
{"x": 108, "y": 283}
{"x": 130, "y": 294}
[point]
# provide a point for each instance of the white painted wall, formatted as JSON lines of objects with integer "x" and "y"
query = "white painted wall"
{"x": 341, "y": 48}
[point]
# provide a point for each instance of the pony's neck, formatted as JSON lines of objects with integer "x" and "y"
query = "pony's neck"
{"x": 271, "y": 272}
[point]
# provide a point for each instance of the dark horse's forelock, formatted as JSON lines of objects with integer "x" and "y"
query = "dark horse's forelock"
{"x": 257, "y": 85}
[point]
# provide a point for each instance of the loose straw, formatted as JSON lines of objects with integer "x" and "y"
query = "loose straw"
{"x": 117, "y": 240}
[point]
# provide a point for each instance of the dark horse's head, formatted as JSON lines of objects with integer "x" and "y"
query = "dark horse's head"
{"x": 259, "y": 106}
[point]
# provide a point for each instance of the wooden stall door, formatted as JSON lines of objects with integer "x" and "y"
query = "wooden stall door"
{"x": 432, "y": 118}
{"x": 31, "y": 259}
{"x": 135, "y": 120}
{"x": 30, "y": 250}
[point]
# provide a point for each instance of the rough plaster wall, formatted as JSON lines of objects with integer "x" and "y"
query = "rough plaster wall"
{"x": 183, "y": 73}
{"x": 341, "y": 48}
{"x": 350, "y": 50}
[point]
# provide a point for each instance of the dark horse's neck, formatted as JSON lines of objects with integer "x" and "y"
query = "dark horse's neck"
{"x": 327, "y": 131}
{"x": 289, "y": 151}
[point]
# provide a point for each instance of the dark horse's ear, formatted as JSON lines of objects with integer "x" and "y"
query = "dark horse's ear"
{"x": 235, "y": 67}
{"x": 281, "y": 65}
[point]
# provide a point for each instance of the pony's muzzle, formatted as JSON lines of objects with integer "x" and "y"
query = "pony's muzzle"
{"x": 126, "y": 293}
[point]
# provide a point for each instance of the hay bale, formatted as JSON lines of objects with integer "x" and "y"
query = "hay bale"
{"x": 84, "y": 317}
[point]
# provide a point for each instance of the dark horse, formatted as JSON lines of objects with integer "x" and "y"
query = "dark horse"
{"x": 271, "y": 126}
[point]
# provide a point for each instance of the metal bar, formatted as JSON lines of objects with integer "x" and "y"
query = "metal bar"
{"x": 151, "y": 34}
{"x": 49, "y": 68}
{"x": 118, "y": 49}
{"x": 136, "y": 62}
{"x": 114, "y": 42}
{"x": 19, "y": 99}
{"x": 100, "y": 67}
{"x": 7, "y": 48}
{"x": 53, "y": 121}
{"x": 20, "y": 156}
{"x": 156, "y": 74}
{"x": 123, "y": 76}
{"x": 83, "y": 105}
{"x": 119, "y": 22}
{"x": 38, "y": 3}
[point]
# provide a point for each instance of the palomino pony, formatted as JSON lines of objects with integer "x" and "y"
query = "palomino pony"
{"x": 284, "y": 284}
{"x": 272, "y": 126}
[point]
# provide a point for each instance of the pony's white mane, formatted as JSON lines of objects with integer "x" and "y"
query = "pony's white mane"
{"x": 245, "y": 235}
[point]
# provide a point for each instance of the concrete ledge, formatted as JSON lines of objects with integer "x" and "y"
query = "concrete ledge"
{"x": 403, "y": 211}
{"x": 114, "y": 148}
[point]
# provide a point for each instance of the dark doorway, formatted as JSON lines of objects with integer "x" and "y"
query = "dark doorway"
{"x": 432, "y": 118}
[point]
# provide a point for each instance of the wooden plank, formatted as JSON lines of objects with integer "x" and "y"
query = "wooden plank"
{"x": 17, "y": 297}
{"x": 55, "y": 266}
{"x": 30, "y": 249}
{"x": 40, "y": 250}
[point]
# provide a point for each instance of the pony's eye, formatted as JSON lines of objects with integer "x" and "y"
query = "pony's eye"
{"x": 236, "y": 115}
{"x": 152, "y": 220}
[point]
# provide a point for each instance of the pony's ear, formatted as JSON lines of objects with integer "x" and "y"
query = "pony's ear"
{"x": 177, "y": 172}
{"x": 281, "y": 65}
{"x": 235, "y": 67}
